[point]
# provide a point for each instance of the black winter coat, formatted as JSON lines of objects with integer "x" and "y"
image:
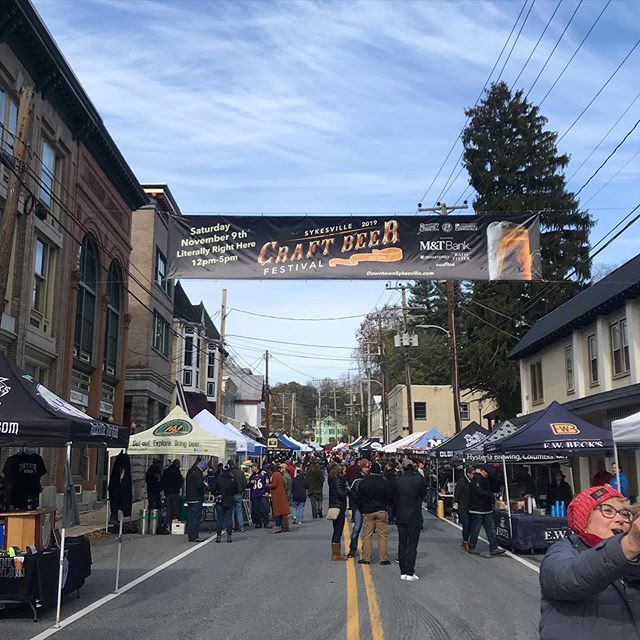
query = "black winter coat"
{"x": 240, "y": 478}
{"x": 337, "y": 492}
{"x": 408, "y": 491}
{"x": 481, "y": 497}
{"x": 120, "y": 489}
{"x": 195, "y": 485}
{"x": 374, "y": 494}
{"x": 226, "y": 488}
{"x": 462, "y": 493}
{"x": 153, "y": 479}
{"x": 299, "y": 489}
{"x": 172, "y": 481}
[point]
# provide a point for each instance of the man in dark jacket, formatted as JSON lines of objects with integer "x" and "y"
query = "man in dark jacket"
{"x": 373, "y": 497}
{"x": 298, "y": 496}
{"x": 409, "y": 489}
{"x": 195, "y": 486}
{"x": 153, "y": 479}
{"x": 481, "y": 502}
{"x": 356, "y": 515}
{"x": 590, "y": 580}
{"x": 461, "y": 496}
{"x": 225, "y": 489}
{"x": 315, "y": 485}
{"x": 241, "y": 481}
{"x": 172, "y": 482}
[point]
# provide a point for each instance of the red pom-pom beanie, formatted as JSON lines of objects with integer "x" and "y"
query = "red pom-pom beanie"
{"x": 582, "y": 505}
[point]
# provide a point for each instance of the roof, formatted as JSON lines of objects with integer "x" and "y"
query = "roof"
{"x": 600, "y": 298}
{"x": 183, "y": 309}
{"x": 26, "y": 34}
{"x": 472, "y": 433}
{"x": 162, "y": 195}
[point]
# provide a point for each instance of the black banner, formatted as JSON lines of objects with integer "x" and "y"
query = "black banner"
{"x": 362, "y": 247}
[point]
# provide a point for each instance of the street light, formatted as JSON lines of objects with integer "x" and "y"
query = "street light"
{"x": 431, "y": 326}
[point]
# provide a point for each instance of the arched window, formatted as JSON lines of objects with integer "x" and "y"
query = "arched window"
{"x": 83, "y": 345}
{"x": 112, "y": 326}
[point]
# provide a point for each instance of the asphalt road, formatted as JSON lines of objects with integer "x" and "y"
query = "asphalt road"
{"x": 285, "y": 587}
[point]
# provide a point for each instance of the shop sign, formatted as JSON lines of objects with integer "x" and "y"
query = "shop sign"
{"x": 552, "y": 535}
{"x": 272, "y": 443}
{"x": 77, "y": 397}
{"x": 106, "y": 407}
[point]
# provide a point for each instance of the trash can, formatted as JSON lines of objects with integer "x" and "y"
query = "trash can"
{"x": 440, "y": 508}
{"x": 143, "y": 523}
{"x": 154, "y": 518}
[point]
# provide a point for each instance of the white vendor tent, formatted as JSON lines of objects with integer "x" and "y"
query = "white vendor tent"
{"x": 209, "y": 422}
{"x": 179, "y": 435}
{"x": 403, "y": 443}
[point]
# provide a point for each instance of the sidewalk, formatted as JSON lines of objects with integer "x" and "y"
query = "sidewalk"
{"x": 92, "y": 521}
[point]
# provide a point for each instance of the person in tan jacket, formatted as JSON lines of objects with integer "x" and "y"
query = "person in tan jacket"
{"x": 279, "y": 501}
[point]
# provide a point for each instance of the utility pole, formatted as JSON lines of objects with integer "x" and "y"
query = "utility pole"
{"x": 268, "y": 392}
{"x": 335, "y": 403}
{"x": 368, "y": 390}
{"x": 383, "y": 379}
{"x": 7, "y": 226}
{"x": 444, "y": 210}
{"x": 223, "y": 318}
{"x": 293, "y": 409}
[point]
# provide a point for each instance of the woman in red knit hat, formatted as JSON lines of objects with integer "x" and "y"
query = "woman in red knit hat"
{"x": 590, "y": 581}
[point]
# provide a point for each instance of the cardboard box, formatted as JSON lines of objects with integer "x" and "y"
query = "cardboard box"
{"x": 178, "y": 528}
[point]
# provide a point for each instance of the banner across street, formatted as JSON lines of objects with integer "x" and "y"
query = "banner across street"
{"x": 355, "y": 247}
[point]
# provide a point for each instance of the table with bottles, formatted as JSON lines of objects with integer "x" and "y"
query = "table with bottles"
{"x": 529, "y": 532}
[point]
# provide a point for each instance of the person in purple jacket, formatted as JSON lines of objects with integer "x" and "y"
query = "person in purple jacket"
{"x": 259, "y": 486}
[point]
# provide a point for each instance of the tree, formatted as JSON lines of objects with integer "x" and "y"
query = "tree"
{"x": 514, "y": 167}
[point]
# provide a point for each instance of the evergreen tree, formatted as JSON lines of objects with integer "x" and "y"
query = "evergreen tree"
{"x": 514, "y": 167}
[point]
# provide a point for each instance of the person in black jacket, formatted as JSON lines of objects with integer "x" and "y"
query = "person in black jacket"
{"x": 373, "y": 497}
{"x": 481, "y": 511}
{"x": 172, "y": 482}
{"x": 195, "y": 486}
{"x": 154, "y": 484}
{"x": 461, "y": 497}
{"x": 299, "y": 488}
{"x": 356, "y": 515}
{"x": 409, "y": 489}
{"x": 559, "y": 489}
{"x": 225, "y": 489}
{"x": 337, "y": 500}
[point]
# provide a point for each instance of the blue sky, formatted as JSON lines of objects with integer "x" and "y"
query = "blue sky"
{"x": 339, "y": 107}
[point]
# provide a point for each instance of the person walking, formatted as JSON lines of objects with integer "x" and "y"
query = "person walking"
{"x": 590, "y": 580}
{"x": 461, "y": 496}
{"x": 225, "y": 490}
{"x": 258, "y": 485}
{"x": 356, "y": 515}
{"x": 299, "y": 496}
{"x": 241, "y": 482}
{"x": 409, "y": 490}
{"x": 288, "y": 479}
{"x": 279, "y": 502}
{"x": 337, "y": 507}
{"x": 153, "y": 480}
{"x": 172, "y": 483}
{"x": 481, "y": 503}
{"x": 315, "y": 484}
{"x": 390, "y": 474}
{"x": 195, "y": 486}
{"x": 374, "y": 497}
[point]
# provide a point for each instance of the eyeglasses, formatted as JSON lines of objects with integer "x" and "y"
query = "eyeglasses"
{"x": 609, "y": 511}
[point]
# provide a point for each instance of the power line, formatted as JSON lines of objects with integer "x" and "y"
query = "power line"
{"x": 296, "y": 344}
{"x": 515, "y": 42}
{"x": 613, "y": 177}
{"x": 264, "y": 315}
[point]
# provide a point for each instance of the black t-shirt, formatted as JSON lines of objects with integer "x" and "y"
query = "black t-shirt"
{"x": 23, "y": 472}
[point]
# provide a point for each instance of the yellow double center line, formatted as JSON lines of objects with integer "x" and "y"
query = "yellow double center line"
{"x": 353, "y": 614}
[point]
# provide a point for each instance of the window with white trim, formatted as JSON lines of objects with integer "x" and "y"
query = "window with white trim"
{"x": 568, "y": 369}
{"x": 42, "y": 289}
{"x": 9, "y": 121}
{"x": 465, "y": 411}
{"x": 160, "y": 334}
{"x": 620, "y": 361}
{"x": 420, "y": 410}
{"x": 592, "y": 351}
{"x": 535, "y": 370}
{"x": 161, "y": 271}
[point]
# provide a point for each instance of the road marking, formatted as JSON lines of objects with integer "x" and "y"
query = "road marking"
{"x": 526, "y": 563}
{"x": 353, "y": 609}
{"x": 134, "y": 583}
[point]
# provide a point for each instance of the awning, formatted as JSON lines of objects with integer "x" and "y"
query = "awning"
{"x": 471, "y": 434}
{"x": 402, "y": 443}
{"x": 215, "y": 427}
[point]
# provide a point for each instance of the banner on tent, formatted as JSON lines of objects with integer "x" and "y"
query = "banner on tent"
{"x": 478, "y": 247}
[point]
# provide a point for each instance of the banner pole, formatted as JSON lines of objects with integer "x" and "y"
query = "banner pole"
{"x": 506, "y": 489}
{"x": 61, "y": 561}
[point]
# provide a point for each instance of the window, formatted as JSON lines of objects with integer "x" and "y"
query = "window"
{"x": 187, "y": 377}
{"x": 568, "y": 369}
{"x": 47, "y": 174}
{"x": 161, "y": 271}
{"x": 211, "y": 363}
{"x": 112, "y": 327}
{"x": 420, "y": 410}
{"x": 592, "y": 347}
{"x": 464, "y": 411}
{"x": 160, "y": 334}
{"x": 86, "y": 304}
{"x": 211, "y": 389}
{"x": 620, "y": 348}
{"x": 188, "y": 351}
{"x": 536, "y": 382}
{"x": 37, "y": 372}
{"x": 197, "y": 345}
{"x": 9, "y": 120}
{"x": 43, "y": 270}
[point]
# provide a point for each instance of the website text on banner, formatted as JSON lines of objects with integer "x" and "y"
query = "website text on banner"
{"x": 355, "y": 247}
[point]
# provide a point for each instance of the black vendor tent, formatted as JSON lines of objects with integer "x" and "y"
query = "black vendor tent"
{"x": 31, "y": 415}
{"x": 471, "y": 434}
{"x": 555, "y": 430}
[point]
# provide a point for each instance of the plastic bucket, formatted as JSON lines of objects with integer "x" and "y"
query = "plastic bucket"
{"x": 154, "y": 518}
{"x": 143, "y": 524}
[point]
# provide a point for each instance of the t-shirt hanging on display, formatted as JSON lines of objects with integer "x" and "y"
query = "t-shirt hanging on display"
{"x": 22, "y": 474}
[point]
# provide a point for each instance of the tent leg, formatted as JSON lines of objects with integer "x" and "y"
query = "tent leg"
{"x": 506, "y": 489}
{"x": 106, "y": 509}
{"x": 61, "y": 565}
{"x": 121, "y": 518}
{"x": 615, "y": 455}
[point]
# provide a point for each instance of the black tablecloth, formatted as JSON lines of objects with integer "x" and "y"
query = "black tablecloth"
{"x": 530, "y": 532}
{"x": 35, "y": 577}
